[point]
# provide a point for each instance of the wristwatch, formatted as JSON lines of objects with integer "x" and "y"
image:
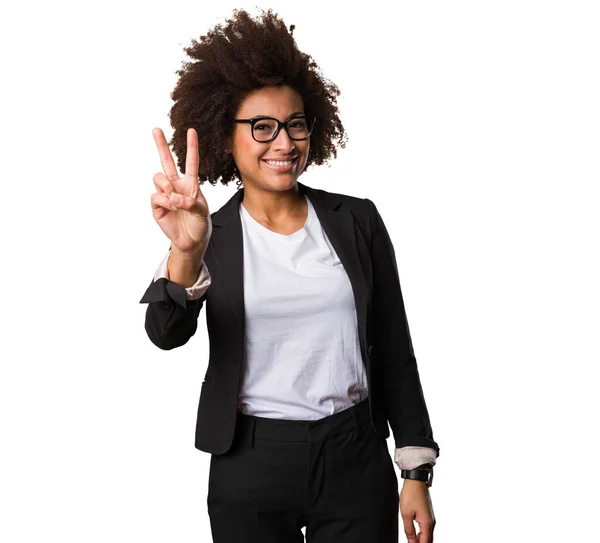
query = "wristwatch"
{"x": 424, "y": 474}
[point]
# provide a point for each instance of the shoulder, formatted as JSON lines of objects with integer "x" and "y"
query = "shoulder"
{"x": 359, "y": 206}
{"x": 367, "y": 220}
{"x": 363, "y": 210}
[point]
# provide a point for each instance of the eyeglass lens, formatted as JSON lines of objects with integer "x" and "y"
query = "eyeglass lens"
{"x": 265, "y": 128}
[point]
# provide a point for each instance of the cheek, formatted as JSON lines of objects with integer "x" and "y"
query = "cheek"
{"x": 247, "y": 154}
{"x": 244, "y": 146}
{"x": 306, "y": 152}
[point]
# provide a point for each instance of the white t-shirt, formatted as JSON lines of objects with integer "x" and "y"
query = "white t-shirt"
{"x": 303, "y": 358}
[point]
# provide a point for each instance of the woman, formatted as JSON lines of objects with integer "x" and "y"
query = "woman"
{"x": 310, "y": 351}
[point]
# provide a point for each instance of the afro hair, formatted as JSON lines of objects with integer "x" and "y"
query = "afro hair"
{"x": 230, "y": 62}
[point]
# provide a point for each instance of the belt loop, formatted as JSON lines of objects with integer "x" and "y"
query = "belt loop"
{"x": 252, "y": 432}
{"x": 356, "y": 428}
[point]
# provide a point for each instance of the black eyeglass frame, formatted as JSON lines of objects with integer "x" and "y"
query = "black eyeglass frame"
{"x": 280, "y": 125}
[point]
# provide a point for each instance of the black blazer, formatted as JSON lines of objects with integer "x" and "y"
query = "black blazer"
{"x": 361, "y": 241}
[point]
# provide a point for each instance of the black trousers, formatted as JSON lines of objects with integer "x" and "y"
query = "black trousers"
{"x": 334, "y": 476}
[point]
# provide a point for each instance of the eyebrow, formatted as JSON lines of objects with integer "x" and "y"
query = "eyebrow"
{"x": 296, "y": 113}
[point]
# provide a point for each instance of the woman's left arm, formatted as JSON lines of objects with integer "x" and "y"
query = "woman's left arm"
{"x": 392, "y": 346}
{"x": 407, "y": 412}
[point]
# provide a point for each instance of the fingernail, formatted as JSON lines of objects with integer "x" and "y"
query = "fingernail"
{"x": 176, "y": 199}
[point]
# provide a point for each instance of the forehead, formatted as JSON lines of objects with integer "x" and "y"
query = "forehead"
{"x": 278, "y": 102}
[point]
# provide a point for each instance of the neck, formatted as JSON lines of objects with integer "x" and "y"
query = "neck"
{"x": 274, "y": 205}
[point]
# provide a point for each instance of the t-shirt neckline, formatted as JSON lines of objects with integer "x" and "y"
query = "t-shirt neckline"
{"x": 276, "y": 235}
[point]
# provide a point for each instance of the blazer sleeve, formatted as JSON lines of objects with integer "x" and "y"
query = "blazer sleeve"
{"x": 392, "y": 346}
{"x": 172, "y": 312}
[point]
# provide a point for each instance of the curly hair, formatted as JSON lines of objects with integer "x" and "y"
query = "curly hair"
{"x": 231, "y": 61}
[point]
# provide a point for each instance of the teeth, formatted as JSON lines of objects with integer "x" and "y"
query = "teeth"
{"x": 278, "y": 163}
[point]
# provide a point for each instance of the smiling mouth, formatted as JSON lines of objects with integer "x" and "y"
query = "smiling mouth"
{"x": 281, "y": 162}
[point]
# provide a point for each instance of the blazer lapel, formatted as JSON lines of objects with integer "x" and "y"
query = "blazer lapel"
{"x": 337, "y": 221}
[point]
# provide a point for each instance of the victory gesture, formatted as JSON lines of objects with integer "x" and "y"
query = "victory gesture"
{"x": 178, "y": 205}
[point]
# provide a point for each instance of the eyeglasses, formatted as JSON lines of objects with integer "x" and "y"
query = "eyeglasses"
{"x": 266, "y": 128}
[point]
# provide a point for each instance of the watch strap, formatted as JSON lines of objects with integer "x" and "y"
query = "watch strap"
{"x": 425, "y": 475}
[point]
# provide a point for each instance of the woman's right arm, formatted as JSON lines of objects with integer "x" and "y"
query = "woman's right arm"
{"x": 181, "y": 211}
{"x": 174, "y": 307}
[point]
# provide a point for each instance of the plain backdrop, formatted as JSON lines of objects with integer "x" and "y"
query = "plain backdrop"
{"x": 473, "y": 127}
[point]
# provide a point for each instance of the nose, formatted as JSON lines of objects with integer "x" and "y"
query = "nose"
{"x": 283, "y": 143}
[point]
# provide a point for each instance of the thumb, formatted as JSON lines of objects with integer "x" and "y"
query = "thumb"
{"x": 409, "y": 530}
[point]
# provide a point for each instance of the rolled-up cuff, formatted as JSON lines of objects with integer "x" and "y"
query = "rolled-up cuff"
{"x": 417, "y": 441}
{"x": 197, "y": 289}
{"x": 413, "y": 457}
{"x": 163, "y": 289}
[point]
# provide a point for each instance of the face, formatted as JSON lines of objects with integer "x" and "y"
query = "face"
{"x": 251, "y": 156}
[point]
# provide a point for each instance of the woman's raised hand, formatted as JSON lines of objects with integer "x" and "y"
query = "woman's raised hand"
{"x": 178, "y": 205}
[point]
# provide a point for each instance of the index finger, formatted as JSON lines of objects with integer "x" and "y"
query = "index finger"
{"x": 191, "y": 156}
{"x": 165, "y": 155}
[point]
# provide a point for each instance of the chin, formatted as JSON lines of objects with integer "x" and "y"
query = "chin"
{"x": 282, "y": 184}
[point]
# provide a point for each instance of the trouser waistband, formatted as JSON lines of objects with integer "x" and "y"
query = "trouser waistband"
{"x": 250, "y": 427}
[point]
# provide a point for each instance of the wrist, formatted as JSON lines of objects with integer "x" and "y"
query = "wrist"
{"x": 193, "y": 256}
{"x": 415, "y": 482}
{"x": 183, "y": 268}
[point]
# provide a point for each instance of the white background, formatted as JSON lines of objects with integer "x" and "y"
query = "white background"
{"x": 473, "y": 126}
